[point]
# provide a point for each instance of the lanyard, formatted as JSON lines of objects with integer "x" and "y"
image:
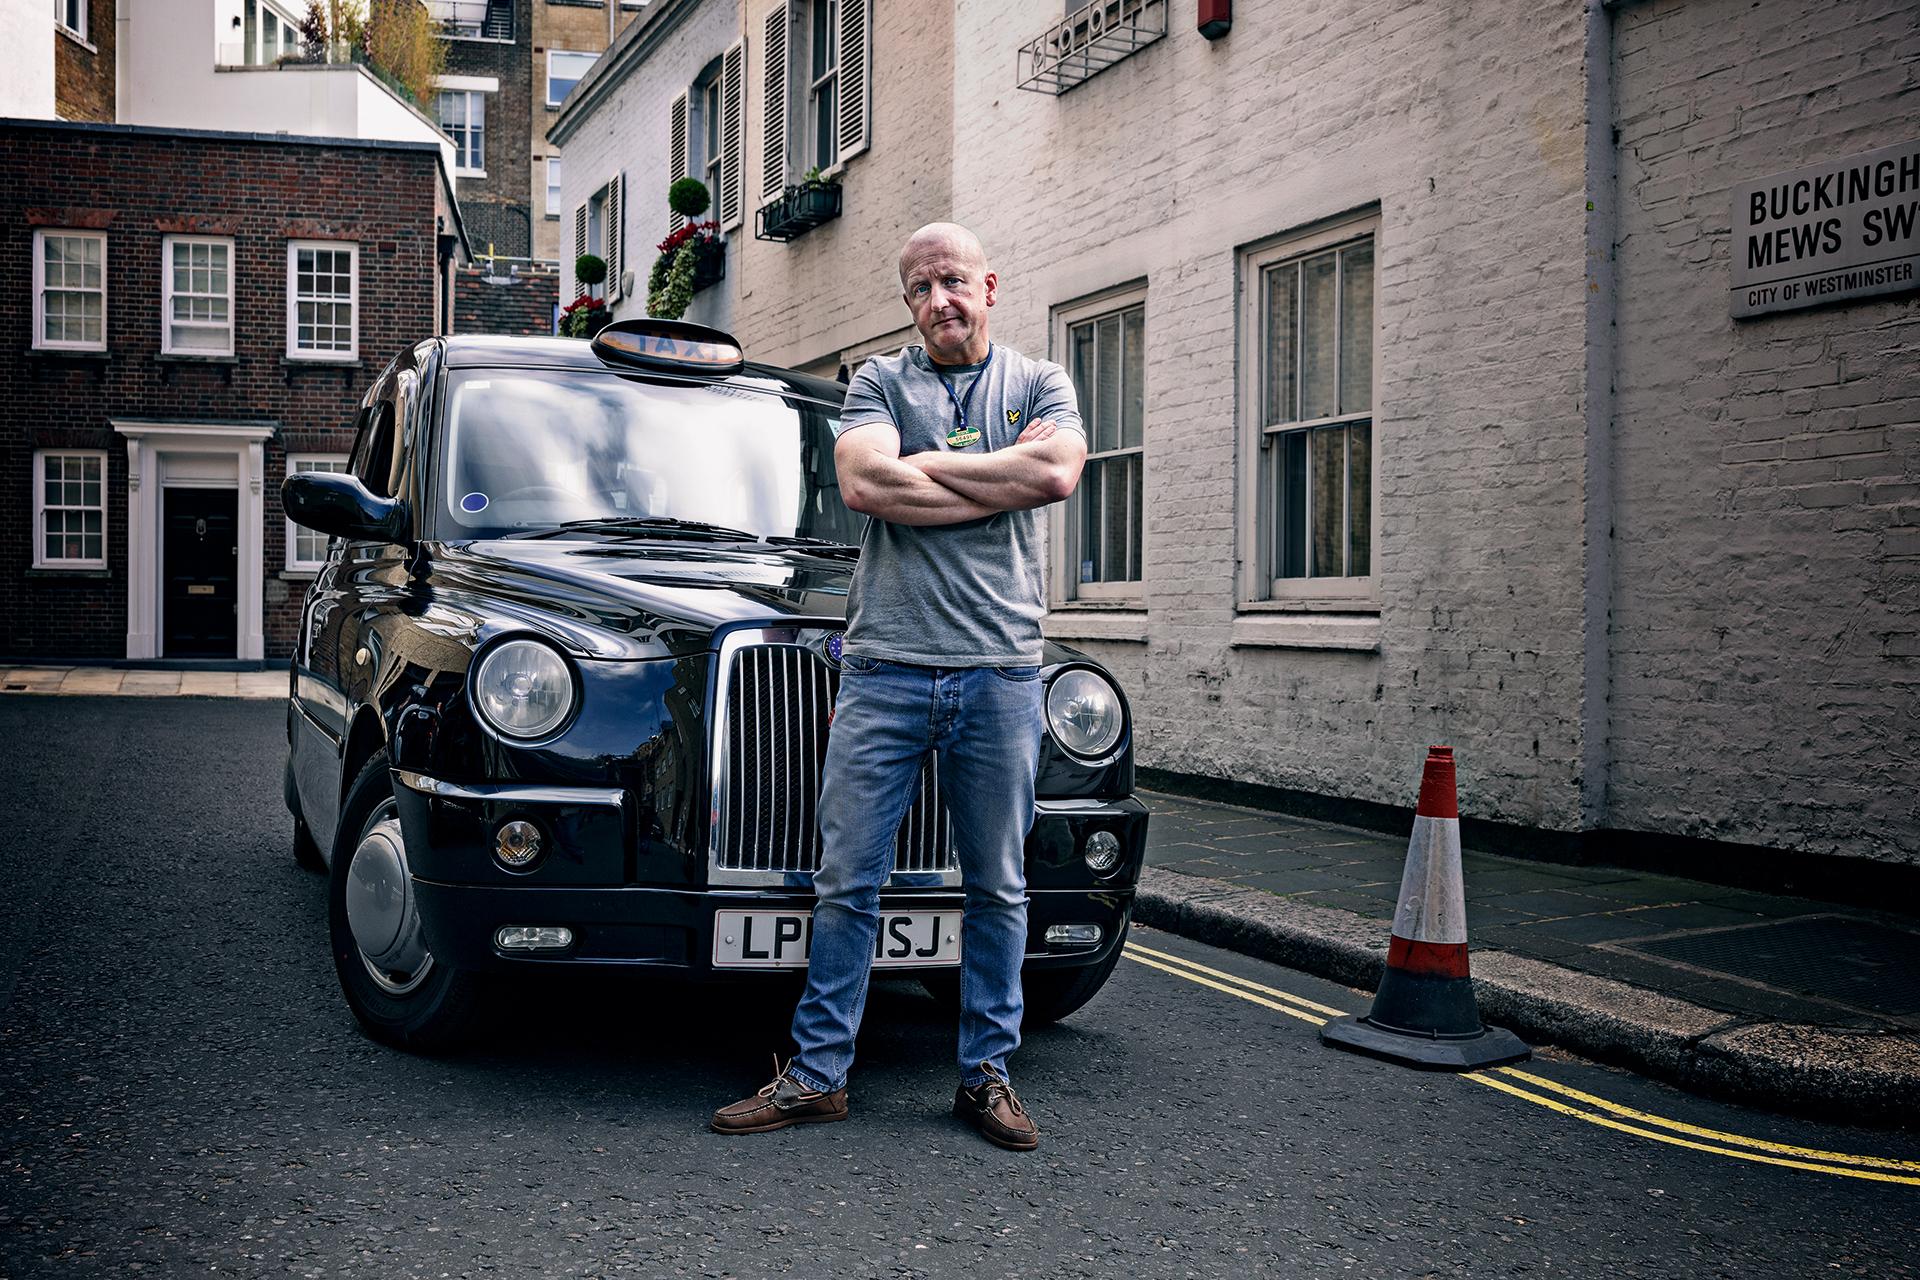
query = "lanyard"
{"x": 960, "y": 403}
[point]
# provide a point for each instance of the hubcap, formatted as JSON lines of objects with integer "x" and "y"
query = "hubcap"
{"x": 381, "y": 912}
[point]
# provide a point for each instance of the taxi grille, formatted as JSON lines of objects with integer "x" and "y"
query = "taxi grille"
{"x": 778, "y": 697}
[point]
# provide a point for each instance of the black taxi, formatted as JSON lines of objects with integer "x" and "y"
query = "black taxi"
{"x": 561, "y": 694}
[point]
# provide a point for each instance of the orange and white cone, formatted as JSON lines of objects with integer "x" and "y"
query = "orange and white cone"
{"x": 1424, "y": 1013}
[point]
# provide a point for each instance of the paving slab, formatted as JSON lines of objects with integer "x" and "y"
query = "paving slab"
{"x": 92, "y": 680}
{"x": 215, "y": 684}
{"x": 151, "y": 682}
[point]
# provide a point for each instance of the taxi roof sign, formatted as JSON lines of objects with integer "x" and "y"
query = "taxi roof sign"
{"x": 669, "y": 345}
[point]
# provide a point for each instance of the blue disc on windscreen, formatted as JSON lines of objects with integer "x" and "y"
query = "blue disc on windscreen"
{"x": 474, "y": 502}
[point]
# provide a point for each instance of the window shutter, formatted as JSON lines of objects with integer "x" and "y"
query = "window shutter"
{"x": 856, "y": 78}
{"x": 579, "y": 246}
{"x": 773, "y": 109}
{"x": 731, "y": 196}
{"x": 610, "y": 211}
{"x": 677, "y": 153}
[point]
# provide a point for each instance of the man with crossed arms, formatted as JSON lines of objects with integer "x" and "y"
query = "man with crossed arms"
{"x": 952, "y": 449}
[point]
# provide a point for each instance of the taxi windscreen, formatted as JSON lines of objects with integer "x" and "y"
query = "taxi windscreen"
{"x": 531, "y": 449}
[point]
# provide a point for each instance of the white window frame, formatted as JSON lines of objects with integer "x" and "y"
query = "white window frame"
{"x": 40, "y": 341}
{"x": 256, "y": 54}
{"x": 578, "y": 53}
{"x": 813, "y": 88}
{"x": 167, "y": 245}
{"x": 554, "y": 204}
{"x": 1258, "y": 589}
{"x": 294, "y": 460}
{"x": 60, "y": 8}
{"x": 294, "y": 350}
{"x": 466, "y": 144}
{"x": 40, "y": 559}
{"x": 1067, "y": 589}
{"x": 712, "y": 145}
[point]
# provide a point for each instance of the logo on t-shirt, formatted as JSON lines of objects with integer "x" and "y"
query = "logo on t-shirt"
{"x": 1013, "y": 417}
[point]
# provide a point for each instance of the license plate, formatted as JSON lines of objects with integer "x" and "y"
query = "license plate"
{"x": 780, "y": 939}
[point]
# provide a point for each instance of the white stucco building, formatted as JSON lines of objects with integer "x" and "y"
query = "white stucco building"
{"x": 214, "y": 64}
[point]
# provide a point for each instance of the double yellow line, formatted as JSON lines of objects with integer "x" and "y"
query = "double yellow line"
{"x": 1567, "y": 1101}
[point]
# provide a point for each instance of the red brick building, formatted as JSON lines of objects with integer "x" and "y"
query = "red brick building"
{"x": 184, "y": 315}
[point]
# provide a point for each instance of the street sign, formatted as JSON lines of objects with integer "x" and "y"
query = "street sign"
{"x": 1844, "y": 229}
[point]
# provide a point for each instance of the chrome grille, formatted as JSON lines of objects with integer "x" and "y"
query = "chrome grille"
{"x": 778, "y": 697}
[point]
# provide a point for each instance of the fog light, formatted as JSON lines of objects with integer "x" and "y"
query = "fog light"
{"x": 533, "y": 937}
{"x": 517, "y": 844}
{"x": 1103, "y": 852}
{"x": 1073, "y": 935}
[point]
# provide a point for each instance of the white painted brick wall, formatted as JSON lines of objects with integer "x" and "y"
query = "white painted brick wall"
{"x": 838, "y": 286}
{"x": 1465, "y": 124}
{"x": 1766, "y": 652}
{"x": 629, "y": 133}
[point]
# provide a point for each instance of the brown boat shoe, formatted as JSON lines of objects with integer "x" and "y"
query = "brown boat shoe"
{"x": 779, "y": 1104}
{"x": 993, "y": 1109}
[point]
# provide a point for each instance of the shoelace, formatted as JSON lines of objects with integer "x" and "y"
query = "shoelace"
{"x": 779, "y": 1074}
{"x": 1001, "y": 1089}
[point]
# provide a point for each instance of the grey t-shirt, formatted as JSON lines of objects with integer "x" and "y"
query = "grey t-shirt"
{"x": 956, "y": 595}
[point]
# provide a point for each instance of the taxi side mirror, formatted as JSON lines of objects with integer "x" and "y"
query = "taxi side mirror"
{"x": 336, "y": 503}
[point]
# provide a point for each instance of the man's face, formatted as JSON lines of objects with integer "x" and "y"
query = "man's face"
{"x": 949, "y": 291}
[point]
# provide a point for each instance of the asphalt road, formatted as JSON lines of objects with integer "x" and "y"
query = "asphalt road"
{"x": 185, "y": 1093}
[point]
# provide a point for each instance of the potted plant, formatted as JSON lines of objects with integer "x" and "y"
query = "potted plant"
{"x": 587, "y": 314}
{"x": 691, "y": 258}
{"x": 800, "y": 208}
{"x": 815, "y": 200}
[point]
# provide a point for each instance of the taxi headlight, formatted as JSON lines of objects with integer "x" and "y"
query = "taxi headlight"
{"x": 523, "y": 689}
{"x": 1083, "y": 710}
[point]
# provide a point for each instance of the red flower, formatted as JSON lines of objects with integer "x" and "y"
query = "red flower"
{"x": 586, "y": 300}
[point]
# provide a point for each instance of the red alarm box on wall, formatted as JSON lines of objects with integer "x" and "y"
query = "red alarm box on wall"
{"x": 1216, "y": 18}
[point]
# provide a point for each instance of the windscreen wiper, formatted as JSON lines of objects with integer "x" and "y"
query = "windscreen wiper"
{"x": 802, "y": 540}
{"x": 666, "y": 525}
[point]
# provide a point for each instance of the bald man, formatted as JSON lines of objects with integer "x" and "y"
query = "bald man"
{"x": 952, "y": 448}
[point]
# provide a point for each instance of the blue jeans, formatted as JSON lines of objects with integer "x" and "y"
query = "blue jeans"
{"x": 983, "y": 725}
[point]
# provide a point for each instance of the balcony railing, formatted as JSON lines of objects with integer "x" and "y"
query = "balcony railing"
{"x": 1088, "y": 41}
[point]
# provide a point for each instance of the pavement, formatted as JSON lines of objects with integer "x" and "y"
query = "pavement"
{"x": 142, "y": 682}
{"x": 1779, "y": 1001}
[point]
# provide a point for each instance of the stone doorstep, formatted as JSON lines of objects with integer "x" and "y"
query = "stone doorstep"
{"x": 1824, "y": 1071}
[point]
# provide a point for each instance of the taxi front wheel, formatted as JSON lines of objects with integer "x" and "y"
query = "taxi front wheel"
{"x": 399, "y": 992}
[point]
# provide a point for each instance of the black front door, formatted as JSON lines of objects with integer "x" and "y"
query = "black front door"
{"x": 199, "y": 579}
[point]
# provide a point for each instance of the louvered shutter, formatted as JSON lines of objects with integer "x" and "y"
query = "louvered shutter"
{"x": 773, "y": 109}
{"x": 610, "y": 211}
{"x": 676, "y": 153}
{"x": 856, "y": 76}
{"x": 731, "y": 197}
{"x": 579, "y": 247}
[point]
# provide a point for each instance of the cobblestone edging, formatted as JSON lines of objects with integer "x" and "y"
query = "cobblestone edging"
{"x": 1843, "y": 1074}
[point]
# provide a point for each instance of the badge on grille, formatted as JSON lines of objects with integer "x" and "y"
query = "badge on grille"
{"x": 835, "y": 643}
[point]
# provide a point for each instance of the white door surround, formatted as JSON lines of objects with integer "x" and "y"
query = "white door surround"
{"x": 150, "y": 445}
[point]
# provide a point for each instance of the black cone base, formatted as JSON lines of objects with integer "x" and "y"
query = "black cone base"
{"x": 1493, "y": 1047}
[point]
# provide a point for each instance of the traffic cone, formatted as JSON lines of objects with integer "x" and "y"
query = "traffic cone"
{"x": 1424, "y": 1014}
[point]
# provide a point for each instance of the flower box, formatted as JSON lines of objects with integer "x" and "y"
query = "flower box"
{"x": 798, "y": 210}
{"x": 710, "y": 266}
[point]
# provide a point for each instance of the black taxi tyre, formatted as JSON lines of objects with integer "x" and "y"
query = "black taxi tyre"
{"x": 306, "y": 851}
{"x": 399, "y": 993}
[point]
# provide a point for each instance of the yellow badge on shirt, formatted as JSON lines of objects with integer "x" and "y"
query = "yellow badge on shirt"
{"x": 961, "y": 437}
{"x": 1013, "y": 417}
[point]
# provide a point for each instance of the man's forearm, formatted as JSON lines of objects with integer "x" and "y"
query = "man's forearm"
{"x": 892, "y": 489}
{"x": 1013, "y": 479}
